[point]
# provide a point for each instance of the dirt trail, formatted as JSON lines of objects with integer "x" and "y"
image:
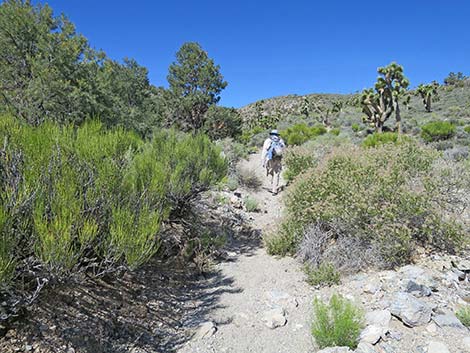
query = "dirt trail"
{"x": 254, "y": 283}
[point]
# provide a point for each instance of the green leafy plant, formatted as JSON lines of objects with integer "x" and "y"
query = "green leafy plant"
{"x": 300, "y": 133}
{"x": 356, "y": 127}
{"x": 337, "y": 323}
{"x": 377, "y": 139}
{"x": 335, "y": 131}
{"x": 323, "y": 275}
{"x": 467, "y": 129}
{"x": 463, "y": 314}
{"x": 437, "y": 131}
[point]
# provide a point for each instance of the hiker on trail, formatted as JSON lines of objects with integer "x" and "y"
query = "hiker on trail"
{"x": 271, "y": 158}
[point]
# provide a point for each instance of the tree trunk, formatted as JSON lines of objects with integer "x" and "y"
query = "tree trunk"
{"x": 428, "y": 103}
{"x": 398, "y": 117}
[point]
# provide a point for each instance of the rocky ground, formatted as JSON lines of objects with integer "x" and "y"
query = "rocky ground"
{"x": 267, "y": 306}
{"x": 248, "y": 301}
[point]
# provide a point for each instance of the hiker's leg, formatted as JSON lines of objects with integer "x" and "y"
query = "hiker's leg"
{"x": 275, "y": 181}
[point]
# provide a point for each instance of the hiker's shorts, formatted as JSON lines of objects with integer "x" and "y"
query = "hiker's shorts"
{"x": 274, "y": 166}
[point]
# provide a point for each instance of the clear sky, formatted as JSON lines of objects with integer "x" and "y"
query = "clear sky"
{"x": 268, "y": 48}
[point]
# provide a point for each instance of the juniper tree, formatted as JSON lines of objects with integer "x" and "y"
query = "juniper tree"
{"x": 195, "y": 83}
{"x": 428, "y": 93}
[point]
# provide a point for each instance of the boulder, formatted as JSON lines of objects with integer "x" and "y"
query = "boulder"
{"x": 410, "y": 310}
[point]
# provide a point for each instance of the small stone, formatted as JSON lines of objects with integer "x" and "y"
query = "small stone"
{"x": 396, "y": 335}
{"x": 206, "y": 329}
{"x": 275, "y": 318}
{"x": 466, "y": 344}
{"x": 460, "y": 274}
{"x": 371, "y": 334}
{"x": 280, "y": 299}
{"x": 418, "y": 290}
{"x": 364, "y": 347}
{"x": 28, "y": 348}
{"x": 379, "y": 318}
{"x": 410, "y": 310}
{"x": 431, "y": 328}
{"x": 448, "y": 320}
{"x": 437, "y": 347}
{"x": 336, "y": 350}
{"x": 371, "y": 288}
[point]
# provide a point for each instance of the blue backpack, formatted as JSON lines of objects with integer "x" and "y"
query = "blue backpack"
{"x": 275, "y": 149}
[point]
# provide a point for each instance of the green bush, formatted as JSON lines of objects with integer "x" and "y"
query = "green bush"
{"x": 467, "y": 129}
{"x": 437, "y": 131}
{"x": 383, "y": 197}
{"x": 337, "y": 323}
{"x": 335, "y": 131}
{"x": 251, "y": 205}
{"x": 377, "y": 139}
{"x": 232, "y": 184}
{"x": 463, "y": 314}
{"x": 323, "y": 275}
{"x": 355, "y": 127}
{"x": 300, "y": 133}
{"x": 73, "y": 194}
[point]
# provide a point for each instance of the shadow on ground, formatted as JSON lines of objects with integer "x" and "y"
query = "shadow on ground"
{"x": 149, "y": 310}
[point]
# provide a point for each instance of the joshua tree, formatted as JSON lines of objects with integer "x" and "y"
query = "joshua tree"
{"x": 428, "y": 93}
{"x": 379, "y": 103}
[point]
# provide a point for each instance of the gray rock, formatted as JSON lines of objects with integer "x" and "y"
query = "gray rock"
{"x": 437, "y": 347}
{"x": 410, "y": 310}
{"x": 275, "y": 318}
{"x": 372, "y": 288}
{"x": 418, "y": 290}
{"x": 448, "y": 320}
{"x": 372, "y": 334}
{"x": 206, "y": 329}
{"x": 336, "y": 350}
{"x": 281, "y": 299}
{"x": 460, "y": 274}
{"x": 466, "y": 344}
{"x": 379, "y": 318}
{"x": 364, "y": 347}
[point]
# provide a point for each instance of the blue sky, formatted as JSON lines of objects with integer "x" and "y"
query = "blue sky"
{"x": 271, "y": 48}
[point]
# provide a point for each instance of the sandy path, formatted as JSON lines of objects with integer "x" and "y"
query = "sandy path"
{"x": 254, "y": 283}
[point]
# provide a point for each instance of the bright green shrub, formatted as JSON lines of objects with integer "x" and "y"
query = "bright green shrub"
{"x": 335, "y": 131}
{"x": 369, "y": 192}
{"x": 463, "y": 314}
{"x": 337, "y": 323}
{"x": 467, "y": 129}
{"x": 376, "y": 139}
{"x": 437, "y": 130}
{"x": 355, "y": 127}
{"x": 72, "y": 194}
{"x": 323, "y": 275}
{"x": 300, "y": 133}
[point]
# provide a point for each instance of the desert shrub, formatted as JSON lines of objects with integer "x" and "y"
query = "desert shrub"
{"x": 337, "y": 323}
{"x": 457, "y": 153}
{"x": 92, "y": 199}
{"x": 248, "y": 135}
{"x": 437, "y": 130}
{"x": 232, "y": 184}
{"x": 467, "y": 129}
{"x": 298, "y": 159}
{"x": 323, "y": 275}
{"x": 376, "y": 139}
{"x": 383, "y": 197}
{"x": 233, "y": 152}
{"x": 248, "y": 178}
{"x": 355, "y": 127}
{"x": 300, "y": 133}
{"x": 335, "y": 131}
{"x": 463, "y": 314}
{"x": 251, "y": 205}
